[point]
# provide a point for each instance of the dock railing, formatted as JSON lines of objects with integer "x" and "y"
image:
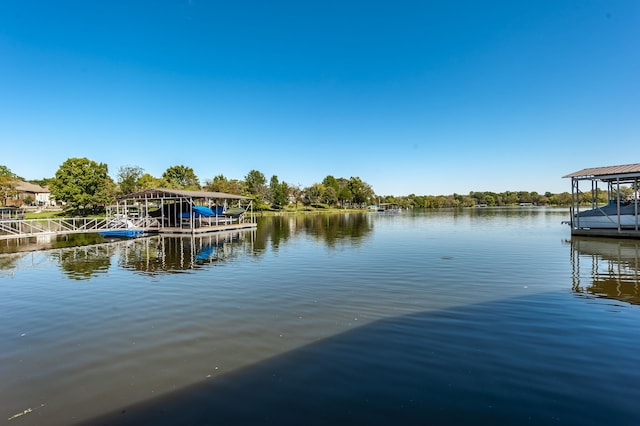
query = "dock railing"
{"x": 18, "y": 228}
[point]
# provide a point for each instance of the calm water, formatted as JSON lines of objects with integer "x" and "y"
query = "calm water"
{"x": 483, "y": 316}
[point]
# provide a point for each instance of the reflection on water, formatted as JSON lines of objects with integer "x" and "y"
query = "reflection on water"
{"x": 171, "y": 254}
{"x": 46, "y": 242}
{"x": 608, "y": 268}
{"x": 81, "y": 263}
{"x": 350, "y": 228}
{"x": 81, "y": 256}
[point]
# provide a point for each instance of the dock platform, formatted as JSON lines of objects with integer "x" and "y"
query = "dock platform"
{"x": 199, "y": 230}
{"x": 606, "y": 233}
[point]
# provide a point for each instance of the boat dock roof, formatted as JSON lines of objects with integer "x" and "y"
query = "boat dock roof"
{"x": 613, "y": 176}
{"x": 165, "y": 193}
{"x": 625, "y": 172}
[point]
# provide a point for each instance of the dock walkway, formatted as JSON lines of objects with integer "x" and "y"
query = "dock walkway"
{"x": 24, "y": 228}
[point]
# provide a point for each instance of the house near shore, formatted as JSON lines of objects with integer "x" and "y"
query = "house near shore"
{"x": 30, "y": 194}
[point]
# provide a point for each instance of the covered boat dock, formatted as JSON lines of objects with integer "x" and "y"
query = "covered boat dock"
{"x": 174, "y": 211}
{"x": 619, "y": 216}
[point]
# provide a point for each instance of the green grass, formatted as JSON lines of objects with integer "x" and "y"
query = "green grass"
{"x": 56, "y": 214}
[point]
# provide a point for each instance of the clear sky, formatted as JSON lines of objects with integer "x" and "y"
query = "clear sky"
{"x": 425, "y": 97}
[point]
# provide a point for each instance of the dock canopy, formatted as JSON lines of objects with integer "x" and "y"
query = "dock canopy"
{"x": 623, "y": 173}
{"x": 164, "y": 193}
{"x": 164, "y": 208}
{"x": 619, "y": 216}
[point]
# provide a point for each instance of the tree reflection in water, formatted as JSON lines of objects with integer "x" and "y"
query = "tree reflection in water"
{"x": 327, "y": 227}
{"x": 81, "y": 263}
{"x": 163, "y": 254}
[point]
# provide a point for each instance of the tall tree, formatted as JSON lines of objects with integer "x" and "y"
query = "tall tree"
{"x": 220, "y": 183}
{"x": 278, "y": 192}
{"x": 81, "y": 183}
{"x": 128, "y": 178}
{"x": 5, "y": 171}
{"x": 107, "y": 193}
{"x": 256, "y": 183}
{"x": 8, "y": 182}
{"x": 330, "y": 196}
{"x": 296, "y": 193}
{"x": 314, "y": 193}
{"x": 257, "y": 188}
{"x": 146, "y": 181}
{"x": 361, "y": 190}
{"x": 331, "y": 182}
{"x": 181, "y": 177}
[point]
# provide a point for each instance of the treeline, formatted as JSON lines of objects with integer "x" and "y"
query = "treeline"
{"x": 499, "y": 199}
{"x": 484, "y": 198}
{"x": 85, "y": 185}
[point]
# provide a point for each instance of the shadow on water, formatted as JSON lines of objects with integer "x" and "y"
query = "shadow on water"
{"x": 484, "y": 364}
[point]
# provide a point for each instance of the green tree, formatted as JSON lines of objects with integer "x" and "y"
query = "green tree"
{"x": 331, "y": 182}
{"x": 5, "y": 171}
{"x": 146, "y": 181}
{"x": 296, "y": 193}
{"x": 44, "y": 182}
{"x": 128, "y": 178}
{"x": 314, "y": 193}
{"x": 221, "y": 184}
{"x": 8, "y": 182}
{"x": 278, "y": 192}
{"x": 181, "y": 177}
{"x": 361, "y": 191}
{"x": 330, "y": 196}
{"x": 107, "y": 193}
{"x": 345, "y": 196}
{"x": 81, "y": 183}
{"x": 256, "y": 187}
{"x": 256, "y": 183}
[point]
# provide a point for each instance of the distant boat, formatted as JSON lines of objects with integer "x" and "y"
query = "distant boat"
{"x": 607, "y": 217}
{"x": 123, "y": 233}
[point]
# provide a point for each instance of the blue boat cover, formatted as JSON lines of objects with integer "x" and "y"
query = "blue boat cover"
{"x": 202, "y": 211}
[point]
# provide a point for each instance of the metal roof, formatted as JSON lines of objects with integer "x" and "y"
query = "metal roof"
{"x": 160, "y": 193}
{"x": 608, "y": 172}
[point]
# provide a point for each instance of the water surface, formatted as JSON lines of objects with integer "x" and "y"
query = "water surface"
{"x": 490, "y": 316}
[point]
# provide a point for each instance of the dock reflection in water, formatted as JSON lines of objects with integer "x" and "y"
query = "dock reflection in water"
{"x": 172, "y": 254}
{"x": 607, "y": 268}
{"x": 81, "y": 256}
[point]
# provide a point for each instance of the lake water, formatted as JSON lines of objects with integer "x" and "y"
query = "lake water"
{"x": 477, "y": 316}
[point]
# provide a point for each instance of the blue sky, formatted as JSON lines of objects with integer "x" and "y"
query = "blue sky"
{"x": 425, "y": 97}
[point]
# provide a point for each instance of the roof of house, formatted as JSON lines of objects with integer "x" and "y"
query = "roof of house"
{"x": 164, "y": 193}
{"x": 30, "y": 187}
{"x": 624, "y": 171}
